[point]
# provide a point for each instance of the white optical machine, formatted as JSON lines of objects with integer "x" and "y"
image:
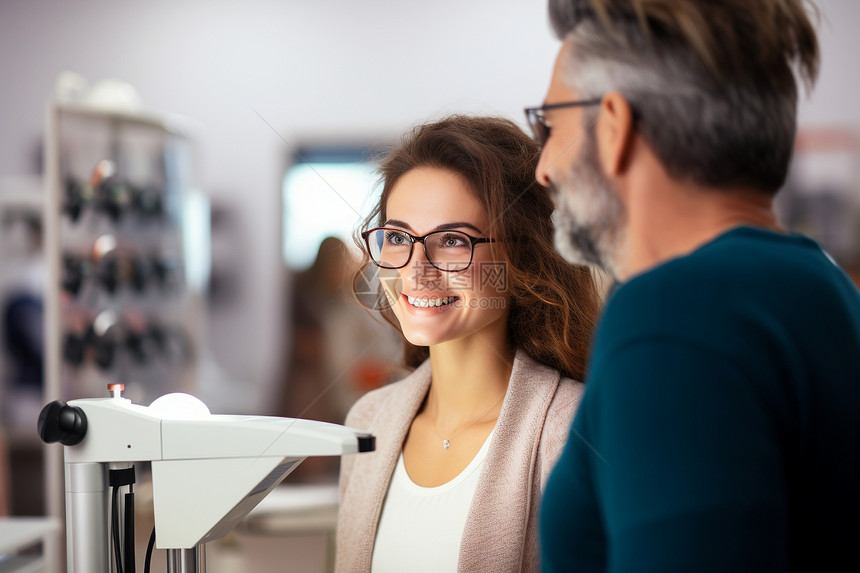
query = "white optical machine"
{"x": 208, "y": 472}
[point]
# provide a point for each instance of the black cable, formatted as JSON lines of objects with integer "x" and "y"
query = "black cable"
{"x": 149, "y": 547}
{"x": 119, "y": 478}
{"x": 115, "y": 527}
{"x": 128, "y": 550}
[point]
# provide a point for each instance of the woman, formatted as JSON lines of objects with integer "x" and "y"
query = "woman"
{"x": 497, "y": 327}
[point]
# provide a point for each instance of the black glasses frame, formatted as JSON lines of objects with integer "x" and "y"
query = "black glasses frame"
{"x": 537, "y": 119}
{"x": 414, "y": 239}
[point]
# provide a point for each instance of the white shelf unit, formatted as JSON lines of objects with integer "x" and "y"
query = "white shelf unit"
{"x": 121, "y": 304}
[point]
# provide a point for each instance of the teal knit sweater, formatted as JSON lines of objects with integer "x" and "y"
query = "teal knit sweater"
{"x": 720, "y": 428}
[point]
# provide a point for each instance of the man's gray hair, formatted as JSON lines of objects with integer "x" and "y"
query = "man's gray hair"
{"x": 711, "y": 84}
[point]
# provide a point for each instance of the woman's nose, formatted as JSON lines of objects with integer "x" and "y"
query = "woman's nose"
{"x": 420, "y": 266}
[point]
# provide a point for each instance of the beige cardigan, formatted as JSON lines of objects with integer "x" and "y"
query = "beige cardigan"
{"x": 501, "y": 528}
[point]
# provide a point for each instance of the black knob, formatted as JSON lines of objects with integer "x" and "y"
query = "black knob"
{"x": 74, "y": 200}
{"x": 165, "y": 271}
{"x": 142, "y": 346}
{"x": 139, "y": 273}
{"x": 109, "y": 274}
{"x": 59, "y": 422}
{"x": 112, "y": 198}
{"x": 105, "y": 351}
{"x": 75, "y": 271}
{"x": 148, "y": 203}
{"x": 74, "y": 347}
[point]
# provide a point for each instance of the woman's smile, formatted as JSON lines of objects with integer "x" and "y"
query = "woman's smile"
{"x": 429, "y": 301}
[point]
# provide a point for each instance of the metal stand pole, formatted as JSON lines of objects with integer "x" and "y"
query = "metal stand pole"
{"x": 187, "y": 560}
{"x": 86, "y": 518}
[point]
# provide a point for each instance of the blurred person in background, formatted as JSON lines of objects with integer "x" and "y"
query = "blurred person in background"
{"x": 720, "y": 429}
{"x": 496, "y": 327}
{"x": 338, "y": 351}
{"x": 4, "y": 475}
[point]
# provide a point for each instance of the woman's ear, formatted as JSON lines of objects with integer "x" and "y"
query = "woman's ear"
{"x": 614, "y": 133}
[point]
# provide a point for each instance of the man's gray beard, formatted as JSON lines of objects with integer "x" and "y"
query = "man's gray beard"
{"x": 589, "y": 216}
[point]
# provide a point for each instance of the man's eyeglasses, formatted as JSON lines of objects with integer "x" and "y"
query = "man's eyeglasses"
{"x": 536, "y": 116}
{"x": 449, "y": 251}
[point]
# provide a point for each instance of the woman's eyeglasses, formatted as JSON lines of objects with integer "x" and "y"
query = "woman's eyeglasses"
{"x": 449, "y": 251}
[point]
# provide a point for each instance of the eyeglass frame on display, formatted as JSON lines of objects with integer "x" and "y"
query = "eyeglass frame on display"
{"x": 416, "y": 239}
{"x": 537, "y": 120}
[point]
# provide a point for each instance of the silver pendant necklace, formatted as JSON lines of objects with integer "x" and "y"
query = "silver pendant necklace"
{"x": 446, "y": 442}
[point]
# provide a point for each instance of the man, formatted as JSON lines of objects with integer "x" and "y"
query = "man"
{"x": 720, "y": 429}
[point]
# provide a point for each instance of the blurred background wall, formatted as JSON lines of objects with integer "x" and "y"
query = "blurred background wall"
{"x": 263, "y": 75}
{"x": 254, "y": 74}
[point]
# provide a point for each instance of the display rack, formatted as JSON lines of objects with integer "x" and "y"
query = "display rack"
{"x": 123, "y": 301}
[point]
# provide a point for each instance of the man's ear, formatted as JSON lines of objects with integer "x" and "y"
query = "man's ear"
{"x": 614, "y": 133}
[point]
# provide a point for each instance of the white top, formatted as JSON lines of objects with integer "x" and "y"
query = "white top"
{"x": 421, "y": 527}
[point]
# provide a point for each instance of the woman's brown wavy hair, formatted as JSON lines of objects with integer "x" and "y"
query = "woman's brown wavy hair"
{"x": 553, "y": 305}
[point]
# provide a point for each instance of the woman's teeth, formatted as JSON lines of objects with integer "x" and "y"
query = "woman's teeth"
{"x": 425, "y": 302}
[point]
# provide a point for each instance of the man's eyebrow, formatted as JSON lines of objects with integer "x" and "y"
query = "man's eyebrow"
{"x": 443, "y": 227}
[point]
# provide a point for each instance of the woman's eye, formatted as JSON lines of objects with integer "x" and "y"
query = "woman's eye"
{"x": 449, "y": 241}
{"x": 394, "y": 238}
